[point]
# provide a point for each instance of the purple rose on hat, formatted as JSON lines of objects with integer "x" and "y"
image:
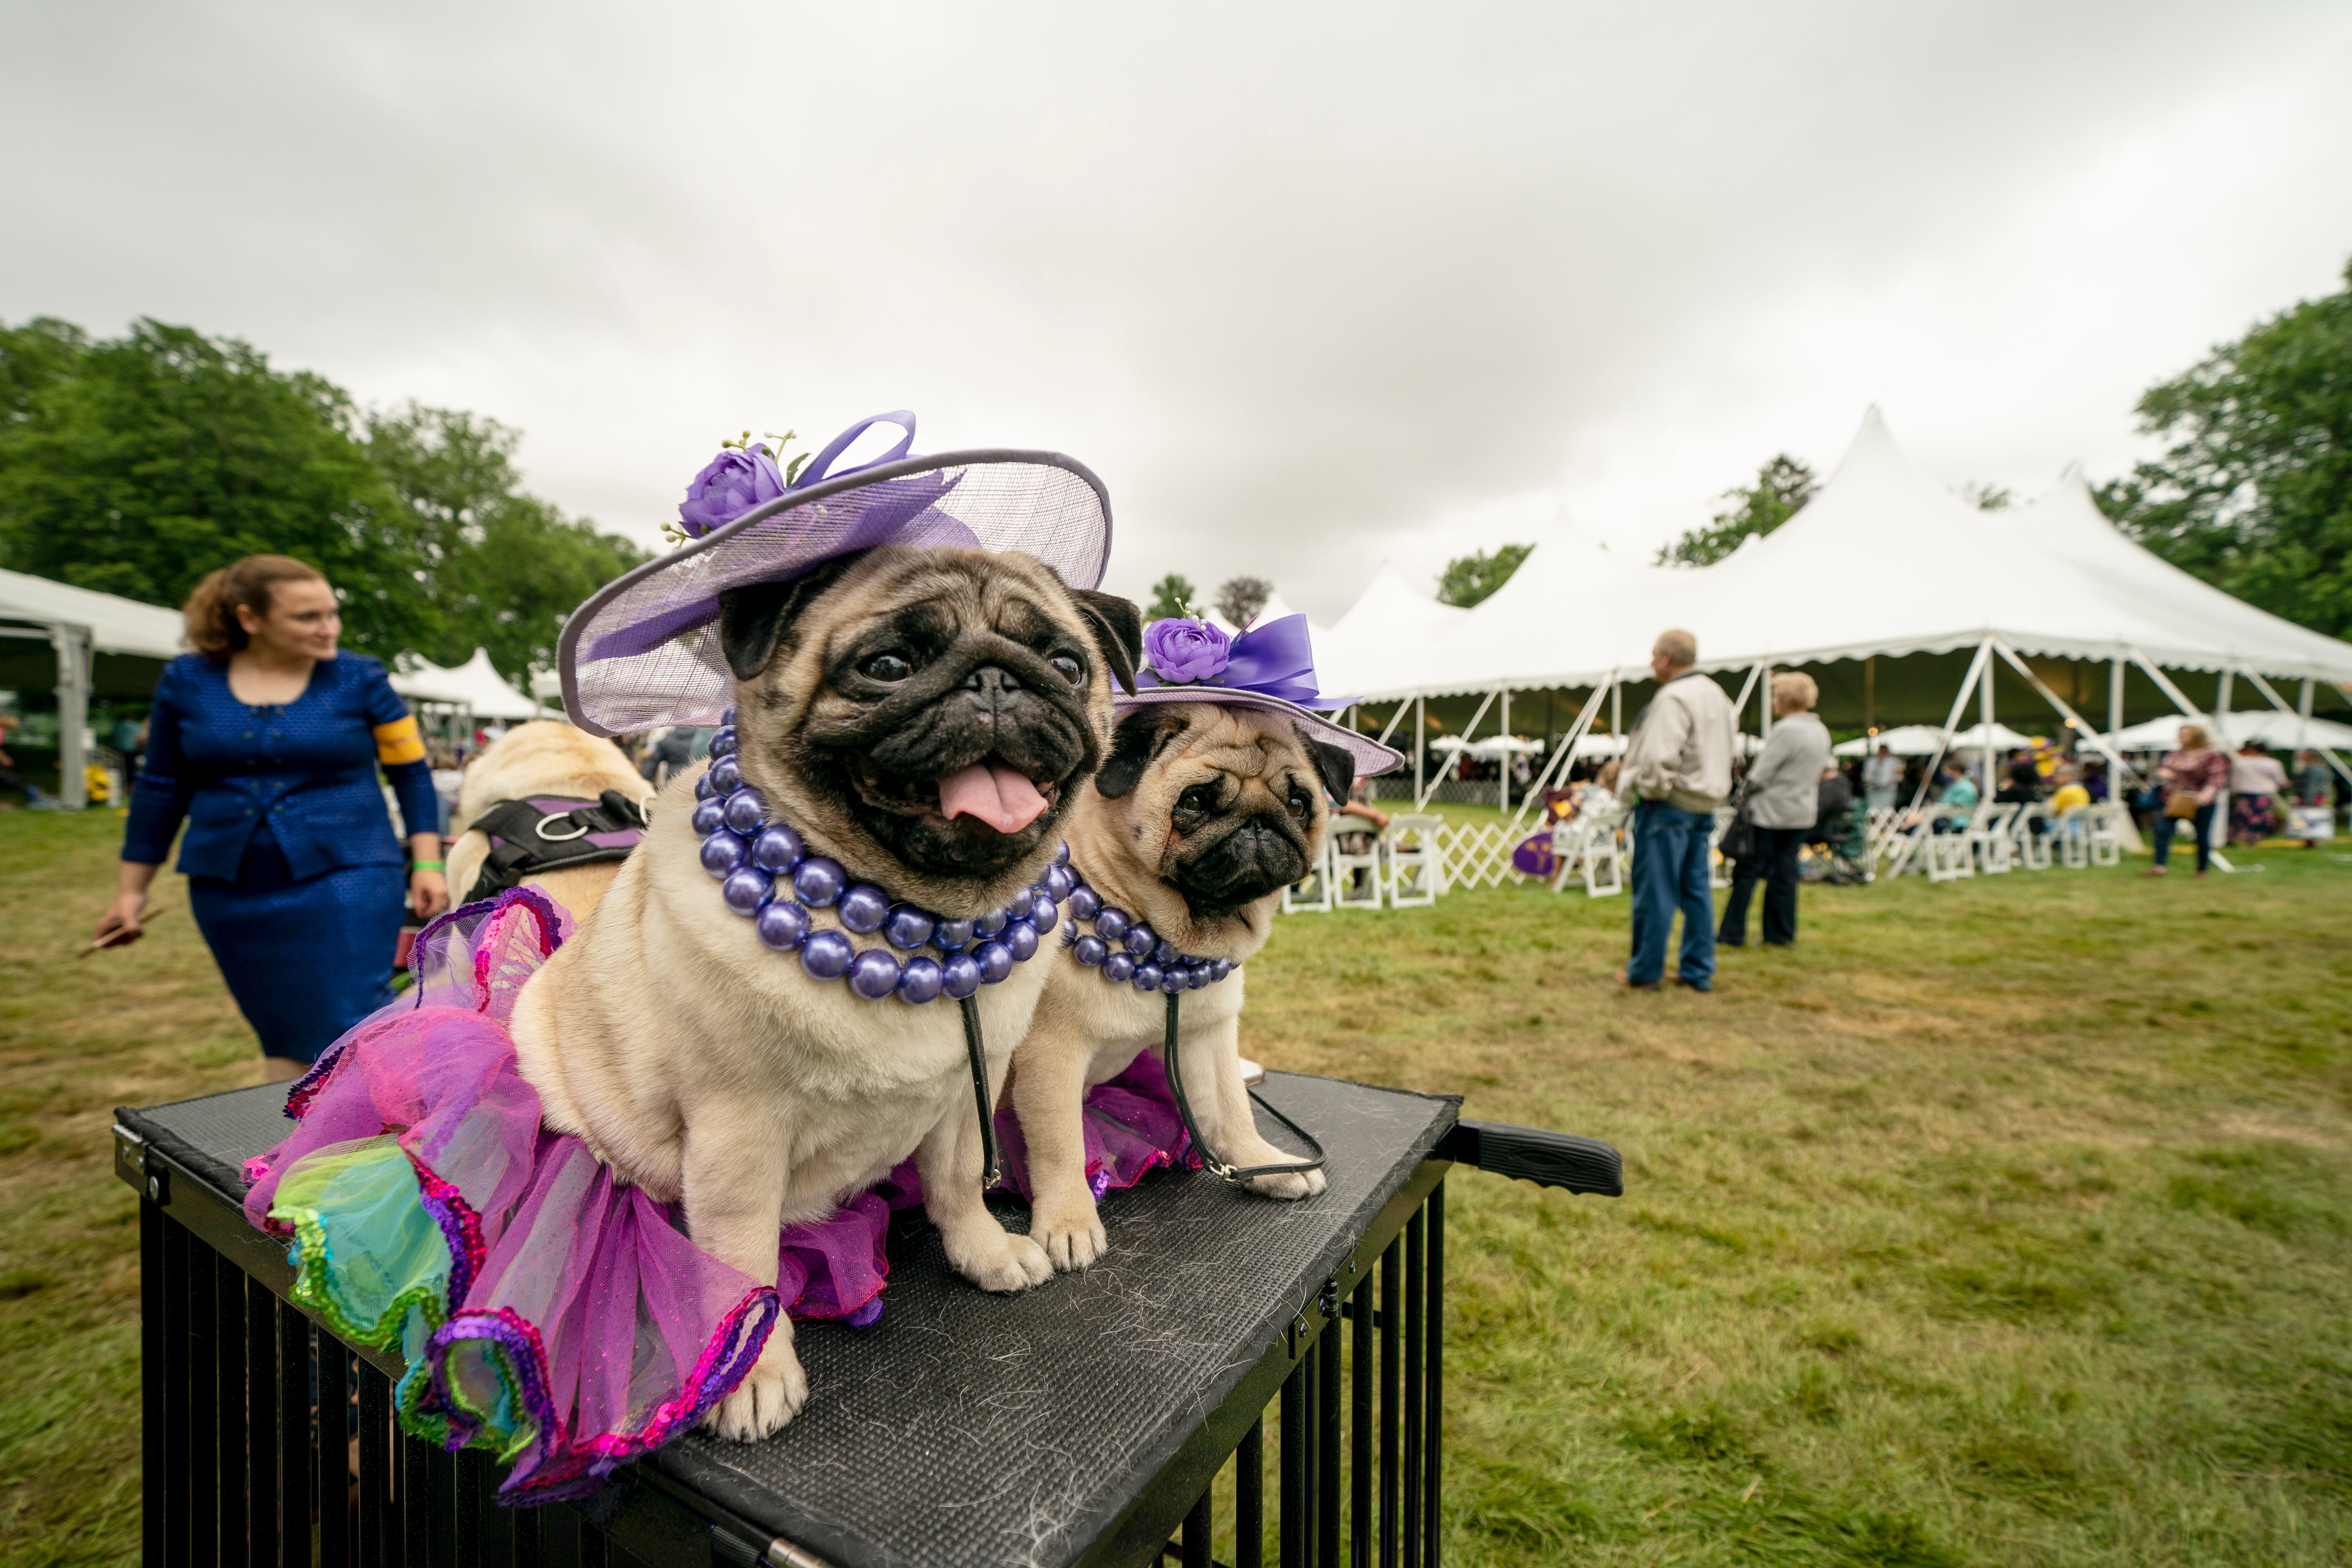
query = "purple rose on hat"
{"x": 1184, "y": 652}
{"x": 731, "y": 484}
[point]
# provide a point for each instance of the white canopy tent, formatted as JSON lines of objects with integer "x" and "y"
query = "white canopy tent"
{"x": 78, "y": 624}
{"x": 1926, "y": 741}
{"x": 2278, "y": 731}
{"x": 1372, "y": 647}
{"x": 1883, "y": 561}
{"x": 475, "y": 685}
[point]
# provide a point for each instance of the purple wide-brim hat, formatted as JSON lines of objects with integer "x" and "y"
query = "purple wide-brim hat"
{"x": 1372, "y": 759}
{"x": 645, "y": 649}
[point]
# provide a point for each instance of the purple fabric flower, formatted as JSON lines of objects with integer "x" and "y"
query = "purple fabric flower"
{"x": 1185, "y": 651}
{"x": 731, "y": 485}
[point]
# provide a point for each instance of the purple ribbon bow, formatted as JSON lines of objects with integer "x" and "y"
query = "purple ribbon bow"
{"x": 1275, "y": 659}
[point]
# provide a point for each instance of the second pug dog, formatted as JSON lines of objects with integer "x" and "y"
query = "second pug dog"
{"x": 1203, "y": 814}
{"x": 923, "y": 718}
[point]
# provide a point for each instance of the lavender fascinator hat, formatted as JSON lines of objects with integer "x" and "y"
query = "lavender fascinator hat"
{"x": 645, "y": 649}
{"x": 1270, "y": 667}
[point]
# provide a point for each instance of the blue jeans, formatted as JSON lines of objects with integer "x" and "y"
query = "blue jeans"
{"x": 2201, "y": 825}
{"x": 1671, "y": 853}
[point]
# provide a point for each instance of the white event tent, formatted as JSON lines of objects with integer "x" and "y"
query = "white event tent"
{"x": 1883, "y": 561}
{"x": 474, "y": 686}
{"x": 1371, "y": 647}
{"x": 79, "y": 625}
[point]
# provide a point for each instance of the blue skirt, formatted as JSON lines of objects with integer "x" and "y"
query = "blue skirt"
{"x": 307, "y": 958}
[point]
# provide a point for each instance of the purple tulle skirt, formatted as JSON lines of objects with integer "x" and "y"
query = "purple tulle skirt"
{"x": 547, "y": 1313}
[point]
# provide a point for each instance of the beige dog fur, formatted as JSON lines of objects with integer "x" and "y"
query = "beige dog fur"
{"x": 704, "y": 1067}
{"x": 541, "y": 758}
{"x": 1087, "y": 1030}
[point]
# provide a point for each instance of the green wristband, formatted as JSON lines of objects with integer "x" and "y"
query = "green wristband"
{"x": 426, "y": 866}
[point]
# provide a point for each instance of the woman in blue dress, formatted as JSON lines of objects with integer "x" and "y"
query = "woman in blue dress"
{"x": 266, "y": 741}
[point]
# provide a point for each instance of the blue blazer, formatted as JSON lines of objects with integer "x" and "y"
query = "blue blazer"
{"x": 306, "y": 768}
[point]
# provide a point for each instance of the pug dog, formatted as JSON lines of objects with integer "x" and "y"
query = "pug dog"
{"x": 925, "y": 717}
{"x": 1203, "y": 815}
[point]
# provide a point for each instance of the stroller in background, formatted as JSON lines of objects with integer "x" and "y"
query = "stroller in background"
{"x": 1836, "y": 851}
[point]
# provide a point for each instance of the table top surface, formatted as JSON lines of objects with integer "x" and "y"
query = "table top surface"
{"x": 966, "y": 1428}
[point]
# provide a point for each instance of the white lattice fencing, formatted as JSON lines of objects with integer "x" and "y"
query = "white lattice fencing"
{"x": 1477, "y": 856}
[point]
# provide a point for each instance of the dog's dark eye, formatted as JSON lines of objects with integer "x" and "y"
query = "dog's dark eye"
{"x": 886, "y": 667}
{"x": 1195, "y": 806}
{"x": 1068, "y": 669}
{"x": 1301, "y": 804}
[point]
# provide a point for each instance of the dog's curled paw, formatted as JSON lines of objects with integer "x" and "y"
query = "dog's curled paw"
{"x": 1073, "y": 1237}
{"x": 997, "y": 1259}
{"x": 770, "y": 1393}
{"x": 1287, "y": 1184}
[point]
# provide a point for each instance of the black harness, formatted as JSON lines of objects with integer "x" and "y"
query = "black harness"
{"x": 544, "y": 833}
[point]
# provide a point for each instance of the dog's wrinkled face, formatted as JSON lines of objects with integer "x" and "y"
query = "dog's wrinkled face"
{"x": 1225, "y": 804}
{"x": 930, "y": 712}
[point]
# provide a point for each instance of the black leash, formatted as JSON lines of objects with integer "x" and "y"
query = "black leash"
{"x": 979, "y": 1055}
{"x": 1217, "y": 1167}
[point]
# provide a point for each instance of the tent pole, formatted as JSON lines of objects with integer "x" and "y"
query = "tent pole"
{"x": 72, "y": 645}
{"x": 2115, "y": 697}
{"x": 1561, "y": 761}
{"x": 1870, "y": 695}
{"x": 1739, "y": 704}
{"x": 1764, "y": 704}
{"x": 2302, "y": 717}
{"x": 1503, "y": 761}
{"x": 1394, "y": 720}
{"x": 1927, "y": 775}
{"x": 2124, "y": 770}
{"x": 2221, "y": 692}
{"x": 1617, "y": 710}
{"x": 1984, "y": 710}
{"x": 1420, "y": 711}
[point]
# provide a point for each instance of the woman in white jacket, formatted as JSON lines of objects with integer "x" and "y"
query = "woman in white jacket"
{"x": 1783, "y": 794}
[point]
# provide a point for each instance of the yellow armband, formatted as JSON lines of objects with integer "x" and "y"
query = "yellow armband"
{"x": 397, "y": 741}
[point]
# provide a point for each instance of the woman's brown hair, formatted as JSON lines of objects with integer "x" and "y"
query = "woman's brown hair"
{"x": 211, "y": 610}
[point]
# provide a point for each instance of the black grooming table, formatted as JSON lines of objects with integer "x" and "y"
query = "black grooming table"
{"x": 1077, "y": 1422}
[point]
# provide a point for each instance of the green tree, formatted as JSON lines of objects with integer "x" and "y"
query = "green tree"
{"x": 135, "y": 466}
{"x": 2255, "y": 495}
{"x": 1782, "y": 486}
{"x": 1985, "y": 496}
{"x": 1242, "y": 599}
{"x": 1172, "y": 597}
{"x": 504, "y": 569}
{"x": 1472, "y": 579}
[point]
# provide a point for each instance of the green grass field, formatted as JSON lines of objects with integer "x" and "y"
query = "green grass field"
{"x": 2003, "y": 1222}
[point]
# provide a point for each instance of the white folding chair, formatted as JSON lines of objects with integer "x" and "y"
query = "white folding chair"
{"x": 2028, "y": 847}
{"x": 1416, "y": 861}
{"x": 1591, "y": 846}
{"x": 1312, "y": 894}
{"x": 1356, "y": 881}
{"x": 1988, "y": 839}
{"x": 2072, "y": 829}
{"x": 1950, "y": 854}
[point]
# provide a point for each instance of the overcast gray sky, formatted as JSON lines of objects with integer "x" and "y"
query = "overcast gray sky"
{"x": 1309, "y": 285}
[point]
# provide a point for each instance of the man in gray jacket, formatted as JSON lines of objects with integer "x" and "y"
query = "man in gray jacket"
{"x": 1784, "y": 792}
{"x": 1678, "y": 765}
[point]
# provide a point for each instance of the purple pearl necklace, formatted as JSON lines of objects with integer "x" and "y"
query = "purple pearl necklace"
{"x": 767, "y": 875}
{"x": 1129, "y": 952}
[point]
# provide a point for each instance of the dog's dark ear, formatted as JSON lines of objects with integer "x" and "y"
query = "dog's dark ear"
{"x": 1118, "y": 628}
{"x": 1334, "y": 762}
{"x": 1133, "y": 744}
{"x": 753, "y": 619}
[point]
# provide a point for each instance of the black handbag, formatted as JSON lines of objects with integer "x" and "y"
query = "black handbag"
{"x": 1739, "y": 835}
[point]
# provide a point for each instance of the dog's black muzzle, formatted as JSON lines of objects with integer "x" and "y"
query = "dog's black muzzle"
{"x": 1261, "y": 855}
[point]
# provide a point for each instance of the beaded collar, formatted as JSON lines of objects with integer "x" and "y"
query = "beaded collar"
{"x": 767, "y": 875}
{"x": 1129, "y": 952}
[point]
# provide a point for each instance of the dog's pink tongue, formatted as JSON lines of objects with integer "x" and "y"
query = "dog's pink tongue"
{"x": 995, "y": 794}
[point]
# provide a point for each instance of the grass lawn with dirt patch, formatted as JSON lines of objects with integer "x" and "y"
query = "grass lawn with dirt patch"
{"x": 2002, "y": 1222}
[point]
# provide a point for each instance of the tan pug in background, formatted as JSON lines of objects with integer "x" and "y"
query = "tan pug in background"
{"x": 541, "y": 758}
{"x": 1203, "y": 814}
{"x": 926, "y": 718}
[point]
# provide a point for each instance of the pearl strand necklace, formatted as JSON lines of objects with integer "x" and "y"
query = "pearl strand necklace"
{"x": 1125, "y": 950}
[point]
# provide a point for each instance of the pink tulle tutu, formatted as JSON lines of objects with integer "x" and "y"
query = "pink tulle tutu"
{"x": 547, "y": 1313}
